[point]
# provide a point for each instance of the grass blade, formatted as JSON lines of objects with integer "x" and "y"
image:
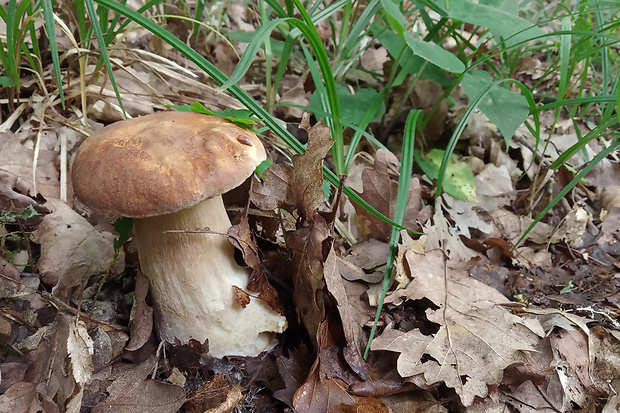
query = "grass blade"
{"x": 92, "y": 13}
{"x": 50, "y": 27}
{"x": 404, "y": 179}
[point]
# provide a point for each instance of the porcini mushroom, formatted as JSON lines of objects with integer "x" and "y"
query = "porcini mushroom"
{"x": 168, "y": 171}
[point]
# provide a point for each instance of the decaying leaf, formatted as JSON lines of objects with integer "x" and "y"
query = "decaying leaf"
{"x": 241, "y": 236}
{"x": 69, "y": 366}
{"x": 141, "y": 325}
{"x": 380, "y": 190}
{"x": 71, "y": 248}
{"x": 133, "y": 392}
{"x": 24, "y": 397}
{"x": 308, "y": 168}
{"x": 476, "y": 338}
{"x": 306, "y": 248}
{"x": 17, "y": 160}
{"x": 352, "y": 317}
{"x": 326, "y": 388}
{"x": 215, "y": 396}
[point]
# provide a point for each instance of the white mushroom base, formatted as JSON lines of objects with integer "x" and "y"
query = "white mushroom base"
{"x": 192, "y": 277}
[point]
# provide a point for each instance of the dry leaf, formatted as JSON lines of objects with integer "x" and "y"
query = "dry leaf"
{"x": 307, "y": 178}
{"x": 141, "y": 325}
{"x": 476, "y": 338}
{"x": 240, "y": 297}
{"x": 351, "y": 316}
{"x": 71, "y": 249}
{"x": 24, "y": 398}
{"x": 326, "y": 388}
{"x": 17, "y": 159}
{"x": 380, "y": 191}
{"x": 215, "y": 396}
{"x": 134, "y": 392}
{"x": 241, "y": 237}
{"x": 306, "y": 248}
{"x": 275, "y": 191}
{"x": 70, "y": 364}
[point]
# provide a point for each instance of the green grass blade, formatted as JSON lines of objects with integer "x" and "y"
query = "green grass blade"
{"x": 250, "y": 52}
{"x": 50, "y": 26}
{"x": 406, "y": 167}
{"x": 597, "y": 132}
{"x": 312, "y": 36}
{"x": 603, "y": 154}
{"x": 92, "y": 13}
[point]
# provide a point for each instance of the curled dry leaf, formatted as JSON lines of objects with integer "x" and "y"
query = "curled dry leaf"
{"x": 476, "y": 338}
{"x": 71, "y": 249}
{"x": 69, "y": 367}
{"x": 142, "y": 321}
{"x": 308, "y": 168}
{"x": 306, "y": 248}
{"x": 240, "y": 235}
{"x": 380, "y": 190}
{"x": 351, "y": 316}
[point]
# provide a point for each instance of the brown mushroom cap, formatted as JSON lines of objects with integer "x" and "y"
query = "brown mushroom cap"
{"x": 163, "y": 163}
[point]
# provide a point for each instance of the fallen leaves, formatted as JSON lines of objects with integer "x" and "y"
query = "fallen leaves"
{"x": 132, "y": 391}
{"x": 380, "y": 185}
{"x": 71, "y": 249}
{"x": 475, "y": 340}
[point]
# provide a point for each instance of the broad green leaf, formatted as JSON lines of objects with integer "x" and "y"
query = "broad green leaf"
{"x": 409, "y": 62}
{"x": 505, "y": 108}
{"x": 353, "y": 107}
{"x": 509, "y": 26}
{"x": 6, "y": 81}
{"x": 459, "y": 179}
{"x": 435, "y": 54}
{"x": 396, "y": 17}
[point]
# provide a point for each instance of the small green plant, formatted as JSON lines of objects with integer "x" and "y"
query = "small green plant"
{"x": 16, "y": 238}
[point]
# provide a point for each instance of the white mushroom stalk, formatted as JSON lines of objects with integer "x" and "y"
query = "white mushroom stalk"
{"x": 192, "y": 277}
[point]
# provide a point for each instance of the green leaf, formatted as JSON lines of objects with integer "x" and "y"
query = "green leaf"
{"x": 29, "y": 212}
{"x": 6, "y": 81}
{"x": 262, "y": 167}
{"x": 353, "y": 107}
{"x": 505, "y": 108}
{"x": 435, "y": 54}
{"x": 510, "y": 27}
{"x": 459, "y": 179}
{"x": 123, "y": 227}
{"x": 396, "y": 17}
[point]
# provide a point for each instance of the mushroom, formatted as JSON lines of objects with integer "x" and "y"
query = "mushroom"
{"x": 168, "y": 171}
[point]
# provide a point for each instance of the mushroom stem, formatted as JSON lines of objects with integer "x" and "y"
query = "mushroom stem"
{"x": 192, "y": 277}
